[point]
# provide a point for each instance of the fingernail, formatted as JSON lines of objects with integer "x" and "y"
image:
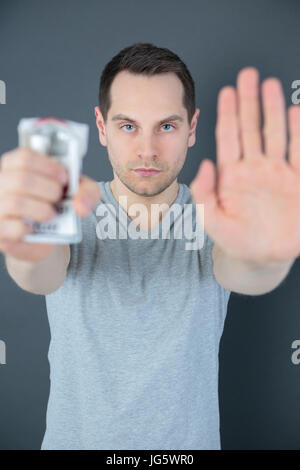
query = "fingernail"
{"x": 29, "y": 229}
{"x": 88, "y": 204}
{"x": 63, "y": 176}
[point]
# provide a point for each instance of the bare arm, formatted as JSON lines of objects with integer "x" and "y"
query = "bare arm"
{"x": 43, "y": 277}
{"x": 248, "y": 278}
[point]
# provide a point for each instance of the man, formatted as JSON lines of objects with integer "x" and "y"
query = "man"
{"x": 136, "y": 321}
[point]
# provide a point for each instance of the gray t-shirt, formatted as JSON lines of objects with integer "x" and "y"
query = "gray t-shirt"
{"x": 135, "y": 331}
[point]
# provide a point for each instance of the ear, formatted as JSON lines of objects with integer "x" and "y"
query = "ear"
{"x": 192, "y": 132}
{"x": 101, "y": 126}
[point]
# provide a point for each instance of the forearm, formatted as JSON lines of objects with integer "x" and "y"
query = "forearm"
{"x": 246, "y": 277}
{"x": 41, "y": 277}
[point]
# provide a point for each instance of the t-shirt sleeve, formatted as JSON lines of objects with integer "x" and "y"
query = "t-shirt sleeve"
{"x": 80, "y": 252}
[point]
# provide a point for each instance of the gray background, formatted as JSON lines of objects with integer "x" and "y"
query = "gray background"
{"x": 51, "y": 57}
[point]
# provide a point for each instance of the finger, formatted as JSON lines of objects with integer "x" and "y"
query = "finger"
{"x": 24, "y": 158}
{"x": 13, "y": 229}
{"x": 227, "y": 131}
{"x": 30, "y": 184}
{"x": 204, "y": 191}
{"x": 25, "y": 251}
{"x": 294, "y": 135}
{"x": 16, "y": 206}
{"x": 5, "y": 245}
{"x": 275, "y": 127}
{"x": 249, "y": 112}
{"x": 87, "y": 196}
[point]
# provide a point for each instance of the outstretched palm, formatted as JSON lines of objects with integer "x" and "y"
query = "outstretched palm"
{"x": 252, "y": 198}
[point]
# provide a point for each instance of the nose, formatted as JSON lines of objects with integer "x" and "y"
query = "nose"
{"x": 147, "y": 147}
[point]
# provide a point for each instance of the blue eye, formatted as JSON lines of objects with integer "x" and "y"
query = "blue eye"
{"x": 126, "y": 125}
{"x": 168, "y": 125}
{"x": 130, "y": 125}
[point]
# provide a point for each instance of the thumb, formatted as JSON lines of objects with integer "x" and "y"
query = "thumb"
{"x": 203, "y": 191}
{"x": 87, "y": 196}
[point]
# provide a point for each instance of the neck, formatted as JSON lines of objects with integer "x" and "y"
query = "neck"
{"x": 168, "y": 196}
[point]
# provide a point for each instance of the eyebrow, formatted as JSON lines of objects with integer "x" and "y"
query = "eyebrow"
{"x": 122, "y": 117}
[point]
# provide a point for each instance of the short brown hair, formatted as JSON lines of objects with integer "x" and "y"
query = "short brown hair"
{"x": 146, "y": 59}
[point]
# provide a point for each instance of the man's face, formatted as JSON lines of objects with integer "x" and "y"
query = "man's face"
{"x": 147, "y": 142}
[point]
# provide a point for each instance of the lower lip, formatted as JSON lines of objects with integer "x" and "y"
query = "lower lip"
{"x": 146, "y": 172}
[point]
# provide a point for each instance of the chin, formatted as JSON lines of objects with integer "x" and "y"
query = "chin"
{"x": 148, "y": 189}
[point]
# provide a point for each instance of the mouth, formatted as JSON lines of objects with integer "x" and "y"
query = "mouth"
{"x": 146, "y": 172}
